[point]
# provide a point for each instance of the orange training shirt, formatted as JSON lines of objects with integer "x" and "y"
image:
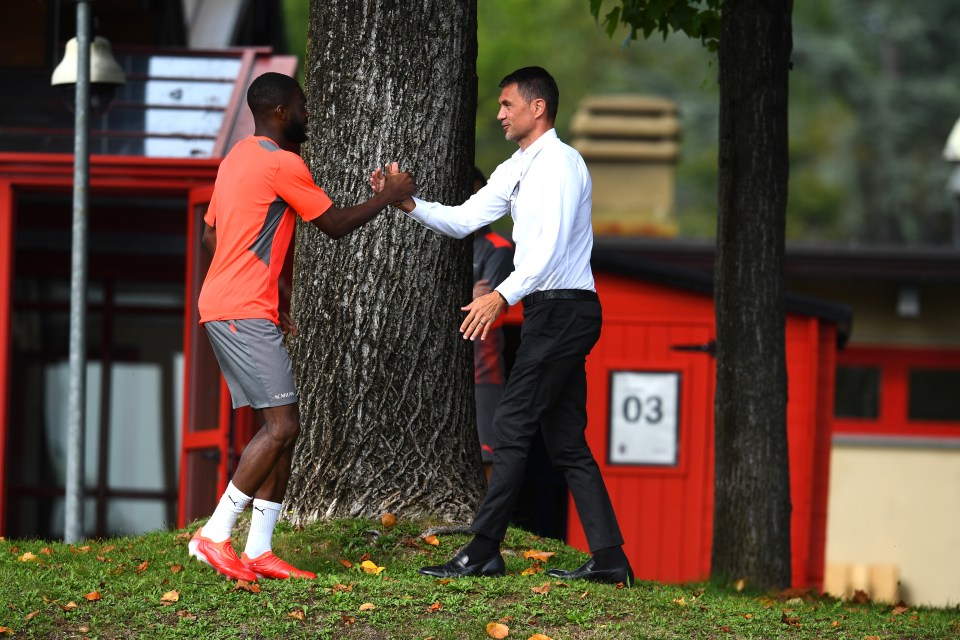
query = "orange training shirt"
{"x": 259, "y": 186}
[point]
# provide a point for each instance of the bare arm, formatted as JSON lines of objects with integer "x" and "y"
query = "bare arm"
{"x": 337, "y": 222}
{"x": 209, "y": 238}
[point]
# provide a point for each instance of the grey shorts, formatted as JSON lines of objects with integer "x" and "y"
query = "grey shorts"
{"x": 253, "y": 361}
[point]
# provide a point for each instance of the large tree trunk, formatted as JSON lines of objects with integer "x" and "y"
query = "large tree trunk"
{"x": 386, "y": 383}
{"x": 751, "y": 536}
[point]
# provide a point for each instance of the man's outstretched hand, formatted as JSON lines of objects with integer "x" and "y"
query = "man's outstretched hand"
{"x": 382, "y": 179}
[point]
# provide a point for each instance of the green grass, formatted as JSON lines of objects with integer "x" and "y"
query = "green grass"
{"x": 46, "y": 595}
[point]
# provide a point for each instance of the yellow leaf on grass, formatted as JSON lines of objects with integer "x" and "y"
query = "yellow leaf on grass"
{"x": 28, "y": 557}
{"x": 70, "y": 606}
{"x": 433, "y": 540}
{"x": 388, "y": 520}
{"x": 542, "y": 589}
{"x": 342, "y": 587}
{"x": 497, "y": 630}
{"x": 5, "y": 630}
{"x": 540, "y": 556}
{"x": 170, "y": 597}
{"x": 532, "y": 569}
{"x": 32, "y": 615}
{"x": 367, "y": 606}
{"x": 539, "y": 636}
{"x": 297, "y": 615}
{"x": 93, "y": 596}
{"x": 371, "y": 567}
{"x": 680, "y": 601}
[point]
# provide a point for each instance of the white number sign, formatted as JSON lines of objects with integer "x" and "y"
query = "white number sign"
{"x": 644, "y": 415}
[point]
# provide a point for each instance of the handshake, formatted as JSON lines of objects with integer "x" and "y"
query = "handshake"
{"x": 400, "y": 186}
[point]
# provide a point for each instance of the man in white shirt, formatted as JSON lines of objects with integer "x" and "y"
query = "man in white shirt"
{"x": 546, "y": 189}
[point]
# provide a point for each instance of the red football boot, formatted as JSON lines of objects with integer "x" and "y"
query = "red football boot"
{"x": 220, "y": 556}
{"x": 267, "y": 565}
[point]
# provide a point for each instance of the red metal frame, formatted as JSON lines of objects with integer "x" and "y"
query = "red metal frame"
{"x": 6, "y": 278}
{"x": 55, "y": 171}
{"x": 895, "y": 364}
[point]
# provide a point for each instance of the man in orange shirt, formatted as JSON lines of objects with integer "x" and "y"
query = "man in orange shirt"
{"x": 260, "y": 187}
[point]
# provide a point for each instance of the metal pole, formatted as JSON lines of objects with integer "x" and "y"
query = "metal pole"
{"x": 76, "y": 411}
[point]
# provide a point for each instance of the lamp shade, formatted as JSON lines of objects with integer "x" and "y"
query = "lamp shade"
{"x": 104, "y": 68}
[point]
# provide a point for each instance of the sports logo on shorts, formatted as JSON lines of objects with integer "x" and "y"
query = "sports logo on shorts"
{"x": 284, "y": 395}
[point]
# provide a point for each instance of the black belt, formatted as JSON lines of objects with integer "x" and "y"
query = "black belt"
{"x": 559, "y": 294}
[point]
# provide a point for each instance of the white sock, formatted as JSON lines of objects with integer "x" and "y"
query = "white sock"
{"x": 262, "y": 523}
{"x": 231, "y": 505}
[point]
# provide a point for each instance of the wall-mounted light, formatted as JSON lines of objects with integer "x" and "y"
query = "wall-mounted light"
{"x": 105, "y": 74}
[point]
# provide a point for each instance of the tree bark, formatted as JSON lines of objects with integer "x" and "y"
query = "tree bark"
{"x": 385, "y": 380}
{"x": 751, "y": 536}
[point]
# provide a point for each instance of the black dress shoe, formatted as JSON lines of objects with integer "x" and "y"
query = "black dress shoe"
{"x": 586, "y": 571}
{"x": 460, "y": 567}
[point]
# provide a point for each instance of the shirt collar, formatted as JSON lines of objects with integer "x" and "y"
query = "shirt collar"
{"x": 526, "y": 156}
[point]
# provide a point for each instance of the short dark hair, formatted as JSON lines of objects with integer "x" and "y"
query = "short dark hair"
{"x": 479, "y": 177}
{"x": 269, "y": 90}
{"x": 533, "y": 83}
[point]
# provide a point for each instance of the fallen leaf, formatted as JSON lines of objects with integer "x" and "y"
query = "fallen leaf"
{"x": 725, "y": 629}
{"x": 433, "y": 540}
{"x": 539, "y": 556}
{"x": 342, "y": 587}
{"x": 680, "y": 601}
{"x": 584, "y": 595}
{"x": 365, "y": 556}
{"x": 367, "y": 606}
{"x": 346, "y": 563}
{"x": 84, "y": 549}
{"x": 444, "y": 580}
{"x": 5, "y": 630}
{"x": 183, "y": 536}
{"x": 107, "y": 549}
{"x": 748, "y": 616}
{"x": 535, "y": 568}
{"x": 861, "y": 597}
{"x": 539, "y": 636}
{"x": 897, "y": 610}
{"x": 347, "y": 620}
{"x": 834, "y": 624}
{"x": 436, "y": 606}
{"x": 28, "y": 557}
{"x": 243, "y": 585}
{"x": 170, "y": 597}
{"x": 542, "y": 589}
{"x": 871, "y": 638}
{"x": 32, "y": 615}
{"x": 388, "y": 520}
{"x": 93, "y": 596}
{"x": 371, "y": 567}
{"x": 792, "y": 621}
{"x": 497, "y": 630}
{"x": 142, "y": 566}
{"x": 46, "y": 551}
{"x": 70, "y": 606}
{"x": 176, "y": 568}
{"x": 186, "y": 615}
{"x": 297, "y": 614}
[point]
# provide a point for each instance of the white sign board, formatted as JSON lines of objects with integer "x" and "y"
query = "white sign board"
{"x": 644, "y": 416}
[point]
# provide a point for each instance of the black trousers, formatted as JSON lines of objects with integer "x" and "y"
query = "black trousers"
{"x": 547, "y": 388}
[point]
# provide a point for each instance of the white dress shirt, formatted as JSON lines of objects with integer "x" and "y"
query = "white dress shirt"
{"x": 547, "y": 191}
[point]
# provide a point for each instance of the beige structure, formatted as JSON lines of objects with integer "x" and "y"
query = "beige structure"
{"x": 631, "y": 146}
{"x": 894, "y": 515}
